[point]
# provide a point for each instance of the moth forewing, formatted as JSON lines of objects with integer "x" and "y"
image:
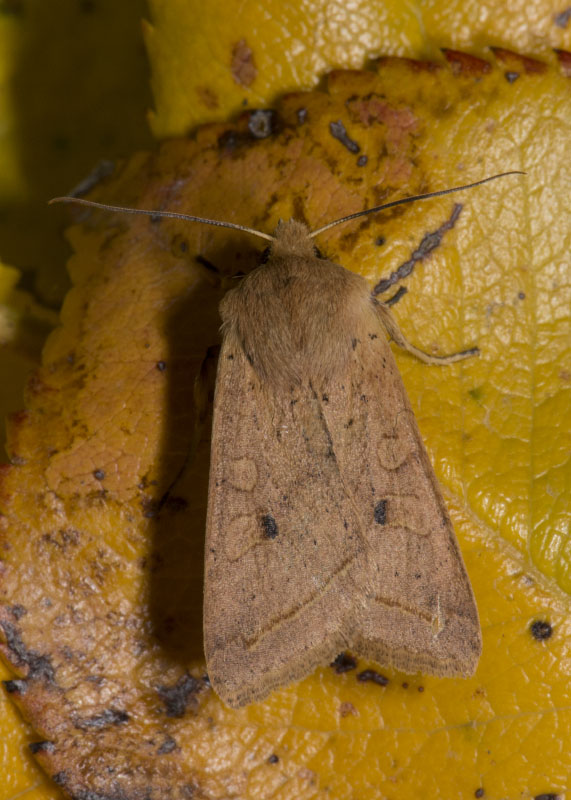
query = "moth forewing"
{"x": 326, "y": 527}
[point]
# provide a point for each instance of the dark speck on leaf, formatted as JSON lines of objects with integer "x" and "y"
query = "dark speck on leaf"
{"x": 262, "y": 123}
{"x": 176, "y": 698}
{"x": 167, "y": 746}
{"x": 161, "y": 366}
{"x": 98, "y": 474}
{"x": 373, "y": 676}
{"x": 344, "y": 663}
{"x": 338, "y": 132}
{"x": 541, "y": 630}
{"x": 41, "y": 747}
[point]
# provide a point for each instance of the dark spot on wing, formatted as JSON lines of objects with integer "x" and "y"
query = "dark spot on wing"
{"x": 380, "y": 514}
{"x": 270, "y": 526}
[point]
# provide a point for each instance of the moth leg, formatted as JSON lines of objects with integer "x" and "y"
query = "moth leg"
{"x": 215, "y": 276}
{"x": 398, "y": 337}
{"x": 400, "y": 292}
{"x": 203, "y": 395}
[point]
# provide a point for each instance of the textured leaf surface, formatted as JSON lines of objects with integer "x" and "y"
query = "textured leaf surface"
{"x": 228, "y": 61}
{"x": 102, "y": 587}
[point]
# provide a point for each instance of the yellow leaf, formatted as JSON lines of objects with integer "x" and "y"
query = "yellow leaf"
{"x": 110, "y": 580}
{"x": 209, "y": 61}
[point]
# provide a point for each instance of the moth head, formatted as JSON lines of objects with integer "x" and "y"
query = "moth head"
{"x": 292, "y": 238}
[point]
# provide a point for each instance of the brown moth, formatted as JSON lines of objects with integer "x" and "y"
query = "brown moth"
{"x": 326, "y": 527}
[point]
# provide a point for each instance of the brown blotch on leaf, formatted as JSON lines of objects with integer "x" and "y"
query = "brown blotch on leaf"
{"x": 519, "y": 63}
{"x": 371, "y": 675}
{"x": 466, "y": 64}
{"x": 413, "y": 64}
{"x": 346, "y": 709}
{"x": 564, "y": 58}
{"x": 541, "y": 630}
{"x": 243, "y": 67}
{"x": 207, "y": 97}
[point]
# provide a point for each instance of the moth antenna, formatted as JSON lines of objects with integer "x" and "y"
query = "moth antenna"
{"x": 172, "y": 214}
{"x": 412, "y": 199}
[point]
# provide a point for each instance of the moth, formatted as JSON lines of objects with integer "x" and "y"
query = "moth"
{"x": 326, "y": 527}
